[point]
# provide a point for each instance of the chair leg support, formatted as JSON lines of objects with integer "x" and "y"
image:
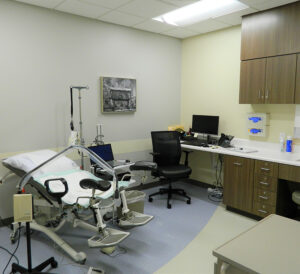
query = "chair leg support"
{"x": 170, "y": 191}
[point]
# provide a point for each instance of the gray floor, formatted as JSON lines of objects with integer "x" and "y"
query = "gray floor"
{"x": 144, "y": 251}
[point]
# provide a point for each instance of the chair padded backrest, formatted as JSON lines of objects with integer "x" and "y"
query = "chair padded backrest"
{"x": 166, "y": 144}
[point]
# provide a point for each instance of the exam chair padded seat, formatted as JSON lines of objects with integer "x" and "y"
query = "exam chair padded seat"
{"x": 93, "y": 184}
{"x": 173, "y": 172}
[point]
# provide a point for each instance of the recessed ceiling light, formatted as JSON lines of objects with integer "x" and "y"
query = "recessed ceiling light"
{"x": 199, "y": 11}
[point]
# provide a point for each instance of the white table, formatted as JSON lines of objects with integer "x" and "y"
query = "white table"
{"x": 272, "y": 246}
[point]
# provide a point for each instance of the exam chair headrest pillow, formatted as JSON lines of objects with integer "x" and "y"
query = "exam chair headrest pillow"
{"x": 30, "y": 160}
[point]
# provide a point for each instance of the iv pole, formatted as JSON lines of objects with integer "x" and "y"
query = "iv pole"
{"x": 81, "y": 139}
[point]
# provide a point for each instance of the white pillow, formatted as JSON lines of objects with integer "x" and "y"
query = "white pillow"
{"x": 30, "y": 160}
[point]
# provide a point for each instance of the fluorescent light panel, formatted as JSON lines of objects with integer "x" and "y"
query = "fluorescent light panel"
{"x": 199, "y": 11}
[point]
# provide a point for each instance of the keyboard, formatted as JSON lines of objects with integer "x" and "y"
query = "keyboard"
{"x": 196, "y": 142}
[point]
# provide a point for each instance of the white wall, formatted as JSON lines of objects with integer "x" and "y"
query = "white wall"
{"x": 43, "y": 52}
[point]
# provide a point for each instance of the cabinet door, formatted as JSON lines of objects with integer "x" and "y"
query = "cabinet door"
{"x": 238, "y": 182}
{"x": 297, "y": 91}
{"x": 280, "y": 79}
{"x": 252, "y": 81}
{"x": 271, "y": 32}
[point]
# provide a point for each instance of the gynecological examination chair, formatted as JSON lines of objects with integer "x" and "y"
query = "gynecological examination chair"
{"x": 64, "y": 192}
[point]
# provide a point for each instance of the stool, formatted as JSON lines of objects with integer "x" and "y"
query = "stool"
{"x": 296, "y": 200}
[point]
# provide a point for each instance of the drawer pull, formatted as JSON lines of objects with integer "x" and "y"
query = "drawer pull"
{"x": 265, "y": 169}
{"x": 262, "y": 211}
{"x": 237, "y": 164}
{"x": 264, "y": 183}
{"x": 263, "y": 197}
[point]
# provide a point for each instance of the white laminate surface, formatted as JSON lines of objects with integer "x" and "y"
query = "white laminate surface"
{"x": 270, "y": 247}
{"x": 263, "y": 151}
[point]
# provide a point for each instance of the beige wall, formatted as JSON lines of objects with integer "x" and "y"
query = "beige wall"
{"x": 210, "y": 86}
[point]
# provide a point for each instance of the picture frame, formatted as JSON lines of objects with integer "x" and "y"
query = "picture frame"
{"x": 118, "y": 95}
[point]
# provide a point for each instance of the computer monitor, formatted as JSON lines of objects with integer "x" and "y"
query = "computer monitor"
{"x": 205, "y": 124}
{"x": 103, "y": 151}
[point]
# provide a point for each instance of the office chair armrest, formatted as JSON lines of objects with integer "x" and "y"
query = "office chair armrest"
{"x": 186, "y": 161}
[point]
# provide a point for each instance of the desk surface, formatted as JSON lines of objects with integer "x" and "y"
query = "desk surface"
{"x": 261, "y": 154}
{"x": 272, "y": 246}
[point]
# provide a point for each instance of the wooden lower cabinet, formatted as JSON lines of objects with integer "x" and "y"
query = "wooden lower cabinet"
{"x": 251, "y": 185}
{"x": 238, "y": 182}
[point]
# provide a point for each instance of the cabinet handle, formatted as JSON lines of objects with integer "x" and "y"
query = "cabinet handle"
{"x": 263, "y": 197}
{"x": 264, "y": 183}
{"x": 262, "y": 211}
{"x": 259, "y": 94}
{"x": 237, "y": 164}
{"x": 265, "y": 169}
{"x": 267, "y": 94}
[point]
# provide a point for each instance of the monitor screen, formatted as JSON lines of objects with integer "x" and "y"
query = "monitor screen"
{"x": 205, "y": 124}
{"x": 104, "y": 151}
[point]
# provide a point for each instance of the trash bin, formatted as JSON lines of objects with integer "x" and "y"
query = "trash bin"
{"x": 135, "y": 201}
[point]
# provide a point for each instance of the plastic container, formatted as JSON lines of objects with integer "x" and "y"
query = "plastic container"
{"x": 135, "y": 201}
{"x": 289, "y": 143}
{"x": 281, "y": 141}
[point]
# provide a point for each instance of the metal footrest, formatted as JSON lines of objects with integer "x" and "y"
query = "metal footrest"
{"x": 134, "y": 218}
{"x": 109, "y": 237}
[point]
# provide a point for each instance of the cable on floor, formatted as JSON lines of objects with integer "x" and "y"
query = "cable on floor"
{"x": 13, "y": 254}
{"x": 216, "y": 194}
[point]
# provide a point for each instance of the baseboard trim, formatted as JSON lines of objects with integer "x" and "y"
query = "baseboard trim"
{"x": 162, "y": 183}
{"x": 246, "y": 214}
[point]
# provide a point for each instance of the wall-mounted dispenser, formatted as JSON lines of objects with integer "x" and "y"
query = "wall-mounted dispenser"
{"x": 256, "y": 124}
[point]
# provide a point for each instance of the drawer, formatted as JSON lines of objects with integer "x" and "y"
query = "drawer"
{"x": 263, "y": 209}
{"x": 264, "y": 196}
{"x": 290, "y": 173}
{"x": 266, "y": 168}
{"x": 265, "y": 182}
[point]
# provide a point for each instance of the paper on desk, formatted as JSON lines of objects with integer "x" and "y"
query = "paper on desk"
{"x": 297, "y": 123}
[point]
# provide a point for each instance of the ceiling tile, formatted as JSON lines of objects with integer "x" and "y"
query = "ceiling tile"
{"x": 234, "y": 18}
{"x": 207, "y": 26}
{"x": 180, "y": 3}
{"x": 83, "y": 9}
{"x": 266, "y": 4}
{"x": 147, "y": 8}
{"x": 120, "y": 18}
{"x": 154, "y": 26}
{"x": 112, "y": 4}
{"x": 180, "y": 33}
{"x": 50, "y": 4}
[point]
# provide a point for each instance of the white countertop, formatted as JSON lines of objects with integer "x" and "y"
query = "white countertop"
{"x": 265, "y": 151}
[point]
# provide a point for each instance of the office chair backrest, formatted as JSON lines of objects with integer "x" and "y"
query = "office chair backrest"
{"x": 166, "y": 147}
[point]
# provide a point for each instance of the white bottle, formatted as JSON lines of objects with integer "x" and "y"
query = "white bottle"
{"x": 281, "y": 141}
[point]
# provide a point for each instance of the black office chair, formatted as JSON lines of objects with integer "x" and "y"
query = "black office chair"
{"x": 167, "y": 153}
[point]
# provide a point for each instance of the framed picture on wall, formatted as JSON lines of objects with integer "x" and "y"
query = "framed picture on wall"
{"x": 118, "y": 95}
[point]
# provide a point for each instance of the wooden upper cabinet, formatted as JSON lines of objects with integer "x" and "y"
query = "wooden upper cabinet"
{"x": 280, "y": 79}
{"x": 272, "y": 32}
{"x": 252, "y": 81}
{"x": 297, "y": 91}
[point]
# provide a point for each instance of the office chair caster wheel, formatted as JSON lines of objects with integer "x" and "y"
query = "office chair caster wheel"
{"x": 150, "y": 199}
{"x": 82, "y": 262}
{"x": 169, "y": 206}
{"x": 54, "y": 264}
{"x": 188, "y": 202}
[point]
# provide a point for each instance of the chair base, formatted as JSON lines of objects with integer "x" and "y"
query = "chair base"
{"x": 170, "y": 191}
{"x": 37, "y": 270}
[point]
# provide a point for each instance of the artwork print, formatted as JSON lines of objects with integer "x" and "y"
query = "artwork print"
{"x": 118, "y": 95}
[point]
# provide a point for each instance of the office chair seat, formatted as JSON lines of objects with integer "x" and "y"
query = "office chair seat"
{"x": 173, "y": 172}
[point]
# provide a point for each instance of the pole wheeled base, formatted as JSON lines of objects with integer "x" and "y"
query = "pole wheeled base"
{"x": 36, "y": 270}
